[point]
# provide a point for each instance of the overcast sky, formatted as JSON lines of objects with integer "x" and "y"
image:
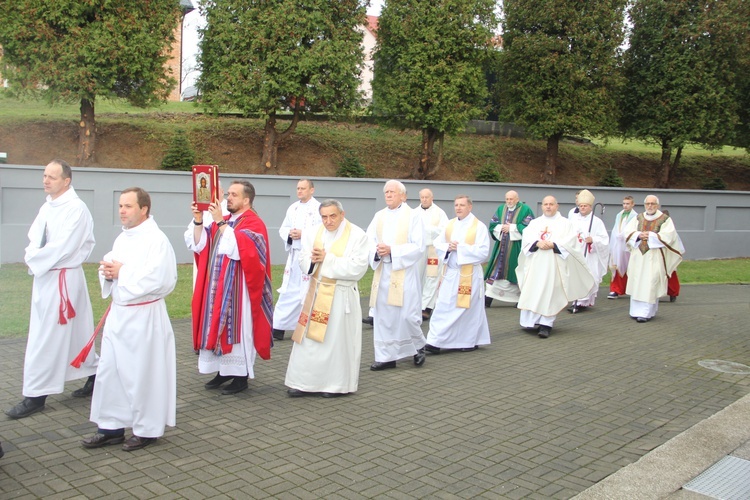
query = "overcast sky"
{"x": 194, "y": 20}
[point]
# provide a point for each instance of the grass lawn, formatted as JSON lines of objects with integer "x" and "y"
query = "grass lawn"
{"x": 15, "y": 288}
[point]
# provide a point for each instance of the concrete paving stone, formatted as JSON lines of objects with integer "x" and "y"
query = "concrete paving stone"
{"x": 83, "y": 478}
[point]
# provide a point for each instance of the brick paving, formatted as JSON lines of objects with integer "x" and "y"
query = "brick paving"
{"x": 521, "y": 418}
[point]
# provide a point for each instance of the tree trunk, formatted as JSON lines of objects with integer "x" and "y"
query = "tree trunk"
{"x": 273, "y": 138}
{"x": 86, "y": 134}
{"x": 664, "y": 169}
{"x": 675, "y": 166}
{"x": 550, "y": 168}
{"x": 426, "y": 165}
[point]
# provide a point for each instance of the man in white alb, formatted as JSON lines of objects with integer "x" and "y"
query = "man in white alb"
{"x": 460, "y": 321}
{"x": 301, "y": 217}
{"x": 434, "y": 220}
{"x": 61, "y": 238}
{"x": 136, "y": 383}
{"x": 395, "y": 245}
{"x": 618, "y": 251}
{"x": 328, "y": 338}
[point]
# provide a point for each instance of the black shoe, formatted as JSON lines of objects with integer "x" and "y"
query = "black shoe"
{"x": 277, "y": 334}
{"x": 534, "y": 329}
{"x": 2, "y": 453}
{"x": 239, "y": 384}
{"x": 296, "y": 393}
{"x": 136, "y": 443}
{"x": 368, "y": 320}
{"x": 469, "y": 349}
{"x": 87, "y": 389}
{"x": 218, "y": 381}
{"x": 382, "y": 365}
{"x": 673, "y": 298}
{"x": 544, "y": 331}
{"x": 419, "y": 357}
{"x": 487, "y": 301}
{"x": 432, "y": 349}
{"x": 27, "y": 407}
{"x": 98, "y": 440}
{"x": 613, "y": 295}
{"x": 642, "y": 320}
{"x": 333, "y": 394}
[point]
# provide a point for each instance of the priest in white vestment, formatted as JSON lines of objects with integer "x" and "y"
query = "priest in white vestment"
{"x": 460, "y": 320}
{"x": 434, "y": 220}
{"x": 395, "y": 250}
{"x": 136, "y": 383}
{"x": 302, "y": 217}
{"x": 327, "y": 345}
{"x": 61, "y": 238}
{"x": 655, "y": 252}
{"x": 592, "y": 234}
{"x": 551, "y": 269}
{"x": 619, "y": 256}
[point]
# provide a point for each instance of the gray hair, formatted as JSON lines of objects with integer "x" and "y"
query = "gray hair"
{"x": 330, "y": 202}
{"x": 468, "y": 198}
{"x": 399, "y": 184}
{"x": 657, "y": 199}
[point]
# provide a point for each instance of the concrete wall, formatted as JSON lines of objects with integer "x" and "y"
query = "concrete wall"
{"x": 712, "y": 224}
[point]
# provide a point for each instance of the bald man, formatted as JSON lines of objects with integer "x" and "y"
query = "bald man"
{"x": 434, "y": 221}
{"x": 506, "y": 228}
{"x": 551, "y": 269}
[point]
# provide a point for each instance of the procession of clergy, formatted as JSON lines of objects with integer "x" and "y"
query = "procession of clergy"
{"x": 426, "y": 268}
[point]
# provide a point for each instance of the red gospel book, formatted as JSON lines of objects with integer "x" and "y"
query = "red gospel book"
{"x": 205, "y": 185}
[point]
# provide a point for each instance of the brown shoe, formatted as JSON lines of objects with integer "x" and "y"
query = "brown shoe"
{"x": 136, "y": 443}
{"x": 98, "y": 440}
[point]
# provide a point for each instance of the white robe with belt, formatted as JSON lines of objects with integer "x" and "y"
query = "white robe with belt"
{"x": 618, "y": 250}
{"x": 397, "y": 329}
{"x": 136, "y": 383}
{"x": 453, "y": 327}
{"x": 306, "y": 217}
{"x": 61, "y": 236}
{"x": 333, "y": 365}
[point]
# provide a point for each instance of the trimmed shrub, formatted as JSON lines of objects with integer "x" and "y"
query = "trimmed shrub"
{"x": 180, "y": 155}
{"x": 489, "y": 173}
{"x": 350, "y": 166}
{"x": 611, "y": 179}
{"x": 715, "y": 184}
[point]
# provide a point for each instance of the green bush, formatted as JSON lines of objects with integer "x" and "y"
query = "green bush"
{"x": 715, "y": 184}
{"x": 350, "y": 166}
{"x": 180, "y": 155}
{"x": 489, "y": 173}
{"x": 611, "y": 179}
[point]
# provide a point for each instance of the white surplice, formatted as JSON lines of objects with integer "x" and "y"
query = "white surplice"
{"x": 136, "y": 383}
{"x": 549, "y": 280}
{"x": 619, "y": 256}
{"x": 304, "y": 216}
{"x": 597, "y": 253}
{"x": 649, "y": 272}
{"x": 240, "y": 361}
{"x": 453, "y": 327}
{"x": 396, "y": 329}
{"x": 61, "y": 237}
{"x": 434, "y": 221}
{"x": 333, "y": 365}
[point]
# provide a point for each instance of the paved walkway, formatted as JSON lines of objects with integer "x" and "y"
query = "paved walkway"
{"x": 522, "y": 418}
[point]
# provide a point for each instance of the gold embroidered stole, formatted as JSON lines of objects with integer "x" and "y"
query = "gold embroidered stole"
{"x": 463, "y": 298}
{"x": 396, "y": 286}
{"x": 316, "y": 309}
{"x": 432, "y": 256}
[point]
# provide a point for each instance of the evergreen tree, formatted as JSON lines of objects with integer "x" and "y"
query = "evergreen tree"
{"x": 263, "y": 57}
{"x": 682, "y": 75}
{"x": 429, "y": 71}
{"x": 559, "y": 69}
{"x": 81, "y": 50}
{"x": 180, "y": 155}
